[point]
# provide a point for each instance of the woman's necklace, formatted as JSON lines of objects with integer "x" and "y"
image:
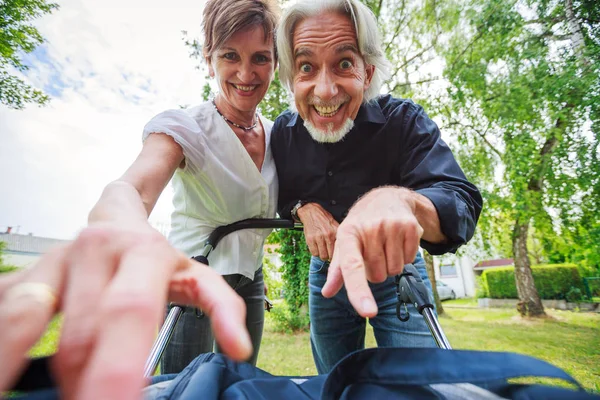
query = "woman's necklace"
{"x": 245, "y": 128}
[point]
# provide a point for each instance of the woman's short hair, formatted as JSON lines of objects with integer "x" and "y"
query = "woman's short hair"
{"x": 367, "y": 33}
{"x": 224, "y": 18}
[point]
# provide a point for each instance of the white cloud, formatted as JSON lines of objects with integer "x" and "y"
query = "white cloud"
{"x": 110, "y": 67}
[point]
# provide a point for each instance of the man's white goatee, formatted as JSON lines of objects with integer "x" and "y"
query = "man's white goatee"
{"x": 329, "y": 136}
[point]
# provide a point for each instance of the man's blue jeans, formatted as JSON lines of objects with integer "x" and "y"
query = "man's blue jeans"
{"x": 337, "y": 330}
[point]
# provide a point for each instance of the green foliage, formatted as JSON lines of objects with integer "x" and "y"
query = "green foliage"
{"x": 575, "y": 295}
{"x": 592, "y": 285}
{"x": 553, "y": 281}
{"x": 3, "y": 267}
{"x": 275, "y": 101}
{"x": 274, "y": 286}
{"x": 19, "y": 36}
{"x": 481, "y": 287}
{"x": 206, "y": 90}
{"x": 410, "y": 32}
{"x": 2, "y": 246}
{"x": 523, "y": 103}
{"x": 7, "y": 268}
{"x": 286, "y": 321}
{"x": 296, "y": 259}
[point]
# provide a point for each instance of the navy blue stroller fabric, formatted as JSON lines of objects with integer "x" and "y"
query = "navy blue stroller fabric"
{"x": 382, "y": 373}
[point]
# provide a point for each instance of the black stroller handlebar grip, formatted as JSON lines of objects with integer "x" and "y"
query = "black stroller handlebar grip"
{"x": 201, "y": 259}
{"x": 413, "y": 290}
{"x": 252, "y": 223}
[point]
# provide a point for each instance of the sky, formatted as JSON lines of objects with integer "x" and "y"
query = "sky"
{"x": 109, "y": 66}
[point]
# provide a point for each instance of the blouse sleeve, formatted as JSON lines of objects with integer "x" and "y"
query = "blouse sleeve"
{"x": 184, "y": 130}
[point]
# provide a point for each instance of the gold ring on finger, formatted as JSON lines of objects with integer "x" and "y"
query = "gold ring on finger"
{"x": 38, "y": 291}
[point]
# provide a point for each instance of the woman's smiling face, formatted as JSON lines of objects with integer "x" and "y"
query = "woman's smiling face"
{"x": 244, "y": 67}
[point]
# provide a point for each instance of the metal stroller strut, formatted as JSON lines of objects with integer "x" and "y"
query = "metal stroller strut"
{"x": 411, "y": 290}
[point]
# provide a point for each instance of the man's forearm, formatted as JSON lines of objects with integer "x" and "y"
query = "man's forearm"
{"x": 428, "y": 218}
{"x": 422, "y": 208}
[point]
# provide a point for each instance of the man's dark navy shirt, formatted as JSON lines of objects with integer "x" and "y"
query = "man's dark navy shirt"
{"x": 393, "y": 142}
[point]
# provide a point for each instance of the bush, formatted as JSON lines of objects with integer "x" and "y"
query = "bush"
{"x": 7, "y": 268}
{"x": 593, "y": 286}
{"x": 274, "y": 286}
{"x": 296, "y": 259}
{"x": 287, "y": 322}
{"x": 480, "y": 288}
{"x": 575, "y": 295}
{"x": 553, "y": 281}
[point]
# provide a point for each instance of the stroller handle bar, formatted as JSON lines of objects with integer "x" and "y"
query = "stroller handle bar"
{"x": 409, "y": 286}
{"x": 252, "y": 223}
{"x": 167, "y": 329}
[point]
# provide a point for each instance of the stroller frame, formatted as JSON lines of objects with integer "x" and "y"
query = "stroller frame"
{"x": 409, "y": 287}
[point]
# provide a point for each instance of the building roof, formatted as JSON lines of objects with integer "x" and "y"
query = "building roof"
{"x": 501, "y": 262}
{"x": 28, "y": 243}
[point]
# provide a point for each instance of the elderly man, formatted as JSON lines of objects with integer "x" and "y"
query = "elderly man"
{"x": 368, "y": 176}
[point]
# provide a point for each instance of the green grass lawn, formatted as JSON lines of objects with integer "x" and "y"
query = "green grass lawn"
{"x": 462, "y": 302}
{"x": 568, "y": 340}
{"x": 49, "y": 343}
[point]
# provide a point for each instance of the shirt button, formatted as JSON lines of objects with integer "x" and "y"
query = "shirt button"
{"x": 333, "y": 202}
{"x": 330, "y": 173}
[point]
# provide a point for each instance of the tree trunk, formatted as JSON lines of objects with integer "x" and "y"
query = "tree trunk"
{"x": 529, "y": 304}
{"x": 431, "y": 272}
{"x": 577, "y": 39}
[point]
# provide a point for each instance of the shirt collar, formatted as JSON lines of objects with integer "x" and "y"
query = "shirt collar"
{"x": 294, "y": 120}
{"x": 369, "y": 112}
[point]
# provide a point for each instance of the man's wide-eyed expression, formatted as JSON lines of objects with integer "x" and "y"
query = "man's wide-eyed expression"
{"x": 330, "y": 75}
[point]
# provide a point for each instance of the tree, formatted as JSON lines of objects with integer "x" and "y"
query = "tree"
{"x": 431, "y": 272}
{"x": 19, "y": 36}
{"x": 524, "y": 102}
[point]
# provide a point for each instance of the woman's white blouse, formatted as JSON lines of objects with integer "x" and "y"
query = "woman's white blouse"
{"x": 219, "y": 184}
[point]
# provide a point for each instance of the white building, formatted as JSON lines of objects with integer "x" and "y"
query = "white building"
{"x": 456, "y": 272}
{"x": 460, "y": 272}
{"x": 25, "y": 250}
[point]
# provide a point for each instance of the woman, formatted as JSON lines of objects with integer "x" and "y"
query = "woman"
{"x": 221, "y": 167}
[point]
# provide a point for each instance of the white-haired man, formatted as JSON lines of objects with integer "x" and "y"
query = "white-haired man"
{"x": 367, "y": 175}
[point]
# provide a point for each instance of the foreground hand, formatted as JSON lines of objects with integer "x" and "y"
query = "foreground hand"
{"x": 379, "y": 235}
{"x": 24, "y": 313}
{"x": 320, "y": 230}
{"x": 112, "y": 286}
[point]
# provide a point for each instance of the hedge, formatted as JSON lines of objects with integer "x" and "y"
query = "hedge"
{"x": 553, "y": 281}
{"x": 7, "y": 268}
